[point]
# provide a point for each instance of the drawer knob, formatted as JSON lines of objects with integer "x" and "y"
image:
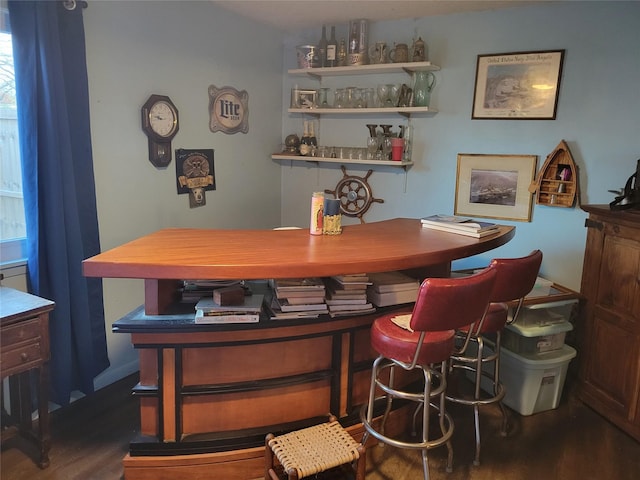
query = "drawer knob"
{"x": 24, "y": 356}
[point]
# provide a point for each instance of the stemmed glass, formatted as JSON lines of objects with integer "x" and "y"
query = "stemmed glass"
{"x": 373, "y": 144}
{"x": 383, "y": 94}
{"x": 394, "y": 95}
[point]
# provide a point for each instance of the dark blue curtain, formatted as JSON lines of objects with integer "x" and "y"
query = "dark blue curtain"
{"x": 59, "y": 187}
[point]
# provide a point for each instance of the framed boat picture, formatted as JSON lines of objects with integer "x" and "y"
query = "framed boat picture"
{"x": 517, "y": 86}
{"x": 495, "y": 186}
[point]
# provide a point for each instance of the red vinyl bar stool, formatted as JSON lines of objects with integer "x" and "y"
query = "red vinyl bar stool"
{"x": 443, "y": 305}
{"x": 515, "y": 279}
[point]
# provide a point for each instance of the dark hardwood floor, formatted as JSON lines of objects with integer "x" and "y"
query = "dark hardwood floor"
{"x": 90, "y": 438}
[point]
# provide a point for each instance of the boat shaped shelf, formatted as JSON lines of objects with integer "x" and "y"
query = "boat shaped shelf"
{"x": 557, "y": 182}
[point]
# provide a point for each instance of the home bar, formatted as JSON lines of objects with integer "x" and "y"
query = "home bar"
{"x": 210, "y": 393}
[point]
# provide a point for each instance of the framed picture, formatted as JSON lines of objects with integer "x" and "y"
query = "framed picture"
{"x": 306, "y": 98}
{"x": 495, "y": 186}
{"x": 518, "y": 86}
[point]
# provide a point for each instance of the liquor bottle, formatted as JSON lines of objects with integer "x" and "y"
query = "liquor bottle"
{"x": 305, "y": 141}
{"x": 313, "y": 141}
{"x": 332, "y": 49}
{"x": 322, "y": 47}
{"x": 341, "y": 55}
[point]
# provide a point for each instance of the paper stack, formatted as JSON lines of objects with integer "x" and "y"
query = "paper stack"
{"x": 392, "y": 288}
{"x": 459, "y": 225}
{"x": 208, "y": 311}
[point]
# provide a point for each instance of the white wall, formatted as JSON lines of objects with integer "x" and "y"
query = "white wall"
{"x": 598, "y": 115}
{"x": 135, "y": 49}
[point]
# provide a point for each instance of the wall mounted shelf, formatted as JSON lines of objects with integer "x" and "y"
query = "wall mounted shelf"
{"x": 382, "y": 68}
{"x": 404, "y": 111}
{"x": 346, "y": 161}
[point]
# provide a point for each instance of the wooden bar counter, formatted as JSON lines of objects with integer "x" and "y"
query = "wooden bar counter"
{"x": 210, "y": 393}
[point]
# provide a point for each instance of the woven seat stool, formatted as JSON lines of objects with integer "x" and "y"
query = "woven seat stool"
{"x": 313, "y": 450}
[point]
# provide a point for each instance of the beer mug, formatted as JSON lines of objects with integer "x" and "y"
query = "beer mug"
{"x": 378, "y": 53}
{"x": 400, "y": 53}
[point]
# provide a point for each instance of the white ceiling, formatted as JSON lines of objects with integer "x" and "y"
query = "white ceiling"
{"x": 293, "y": 15}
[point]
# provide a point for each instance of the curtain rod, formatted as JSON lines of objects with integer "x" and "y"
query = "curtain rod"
{"x": 72, "y": 4}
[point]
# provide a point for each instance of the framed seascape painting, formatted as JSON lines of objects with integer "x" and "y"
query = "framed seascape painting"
{"x": 495, "y": 186}
{"x": 517, "y": 86}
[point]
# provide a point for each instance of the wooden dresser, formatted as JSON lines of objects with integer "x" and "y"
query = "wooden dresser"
{"x": 24, "y": 337}
{"x": 610, "y": 373}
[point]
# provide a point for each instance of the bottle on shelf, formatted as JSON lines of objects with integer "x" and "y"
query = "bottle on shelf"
{"x": 341, "y": 54}
{"x": 322, "y": 47}
{"x": 332, "y": 49}
{"x": 305, "y": 141}
{"x": 313, "y": 141}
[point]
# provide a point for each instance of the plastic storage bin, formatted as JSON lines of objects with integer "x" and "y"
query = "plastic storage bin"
{"x": 534, "y": 383}
{"x": 546, "y": 313}
{"x": 535, "y": 339}
{"x": 541, "y": 288}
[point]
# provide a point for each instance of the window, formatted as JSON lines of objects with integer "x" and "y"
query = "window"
{"x": 12, "y": 222}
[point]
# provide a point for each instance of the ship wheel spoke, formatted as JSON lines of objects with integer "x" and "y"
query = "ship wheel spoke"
{"x": 355, "y": 194}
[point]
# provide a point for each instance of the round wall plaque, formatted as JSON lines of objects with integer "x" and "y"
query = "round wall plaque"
{"x": 228, "y": 110}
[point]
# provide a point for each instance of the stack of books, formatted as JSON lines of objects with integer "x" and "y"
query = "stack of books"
{"x": 459, "y": 225}
{"x": 392, "y": 288}
{"x": 194, "y": 290}
{"x": 298, "y": 295}
{"x": 208, "y": 311}
{"x": 347, "y": 295}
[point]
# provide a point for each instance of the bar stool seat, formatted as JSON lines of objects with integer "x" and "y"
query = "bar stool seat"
{"x": 423, "y": 340}
{"x": 313, "y": 450}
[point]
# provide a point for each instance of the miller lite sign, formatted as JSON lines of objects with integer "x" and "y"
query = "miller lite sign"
{"x": 228, "y": 110}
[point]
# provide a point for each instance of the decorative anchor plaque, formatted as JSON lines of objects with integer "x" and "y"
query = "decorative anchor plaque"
{"x": 195, "y": 174}
{"x": 228, "y": 110}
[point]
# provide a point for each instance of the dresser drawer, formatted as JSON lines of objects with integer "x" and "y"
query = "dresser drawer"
{"x": 21, "y": 332}
{"x": 21, "y": 358}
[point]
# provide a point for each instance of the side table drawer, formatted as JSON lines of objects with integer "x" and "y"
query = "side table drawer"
{"x": 20, "y": 359}
{"x": 23, "y": 331}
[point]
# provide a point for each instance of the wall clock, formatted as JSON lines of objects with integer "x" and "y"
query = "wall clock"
{"x": 160, "y": 124}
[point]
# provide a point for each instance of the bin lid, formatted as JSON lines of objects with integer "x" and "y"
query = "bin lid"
{"x": 542, "y": 360}
{"x": 540, "y": 330}
{"x": 559, "y": 303}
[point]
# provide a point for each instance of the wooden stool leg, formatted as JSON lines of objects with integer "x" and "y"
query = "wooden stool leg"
{"x": 269, "y": 473}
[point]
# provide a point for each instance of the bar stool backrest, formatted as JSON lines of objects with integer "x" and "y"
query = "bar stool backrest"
{"x": 516, "y": 276}
{"x": 451, "y": 303}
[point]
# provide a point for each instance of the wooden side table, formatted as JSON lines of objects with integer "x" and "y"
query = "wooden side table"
{"x": 24, "y": 340}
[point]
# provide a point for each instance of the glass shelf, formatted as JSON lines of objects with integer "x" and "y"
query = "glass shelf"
{"x": 381, "y": 68}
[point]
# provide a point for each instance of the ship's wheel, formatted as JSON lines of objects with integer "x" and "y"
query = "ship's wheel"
{"x": 355, "y": 194}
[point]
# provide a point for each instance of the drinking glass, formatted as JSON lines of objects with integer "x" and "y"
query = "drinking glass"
{"x": 323, "y": 102}
{"x": 338, "y": 99}
{"x": 373, "y": 144}
{"x": 369, "y": 97}
{"x": 394, "y": 94}
{"x": 386, "y": 147}
{"x": 358, "y": 98}
{"x": 383, "y": 93}
{"x": 388, "y": 100}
